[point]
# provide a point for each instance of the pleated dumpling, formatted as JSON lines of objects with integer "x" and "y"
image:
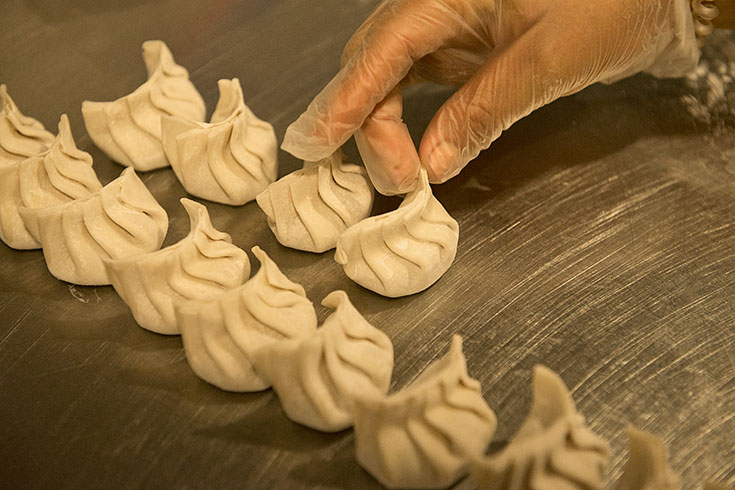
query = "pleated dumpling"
{"x": 222, "y": 335}
{"x": 310, "y": 208}
{"x": 60, "y": 174}
{"x": 20, "y": 136}
{"x": 119, "y": 220}
{"x": 648, "y": 467}
{"x": 128, "y": 129}
{"x": 404, "y": 251}
{"x": 425, "y": 435}
{"x": 318, "y": 377}
{"x": 202, "y": 265}
{"x": 229, "y": 160}
{"x": 553, "y": 449}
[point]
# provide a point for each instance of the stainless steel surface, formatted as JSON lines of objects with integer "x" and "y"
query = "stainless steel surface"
{"x": 596, "y": 237}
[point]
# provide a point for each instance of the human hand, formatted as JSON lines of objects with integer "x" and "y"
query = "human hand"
{"x": 509, "y": 56}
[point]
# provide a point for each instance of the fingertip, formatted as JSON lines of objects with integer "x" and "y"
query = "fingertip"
{"x": 442, "y": 162}
{"x": 389, "y": 156}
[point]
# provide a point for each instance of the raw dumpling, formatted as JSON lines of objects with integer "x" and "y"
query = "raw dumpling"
{"x": 221, "y": 336}
{"x": 60, "y": 174}
{"x": 318, "y": 377}
{"x": 404, "y": 251}
{"x": 310, "y": 208}
{"x": 20, "y": 136}
{"x": 231, "y": 159}
{"x": 119, "y": 220}
{"x": 425, "y": 435}
{"x": 128, "y": 129}
{"x": 202, "y": 265}
{"x": 648, "y": 467}
{"x": 553, "y": 449}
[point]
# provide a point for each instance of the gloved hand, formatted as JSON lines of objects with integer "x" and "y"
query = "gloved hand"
{"x": 510, "y": 56}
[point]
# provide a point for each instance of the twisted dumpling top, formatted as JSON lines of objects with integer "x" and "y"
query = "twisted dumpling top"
{"x": 553, "y": 448}
{"x": 648, "y": 467}
{"x": 310, "y": 208}
{"x": 58, "y": 175}
{"x": 404, "y": 251}
{"x": 200, "y": 266}
{"x": 20, "y": 136}
{"x": 317, "y": 377}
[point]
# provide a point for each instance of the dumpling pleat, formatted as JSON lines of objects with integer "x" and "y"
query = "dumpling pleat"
{"x": 310, "y": 208}
{"x": 245, "y": 325}
{"x": 315, "y": 378}
{"x": 144, "y": 113}
{"x": 138, "y": 146}
{"x": 20, "y": 136}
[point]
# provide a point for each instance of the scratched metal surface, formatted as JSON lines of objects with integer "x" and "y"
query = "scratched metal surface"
{"x": 596, "y": 237}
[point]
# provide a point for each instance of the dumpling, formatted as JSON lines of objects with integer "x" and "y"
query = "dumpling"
{"x": 553, "y": 449}
{"x": 425, "y": 435}
{"x": 647, "y": 467}
{"x": 310, "y": 208}
{"x": 119, "y": 220}
{"x": 221, "y": 335}
{"x": 231, "y": 159}
{"x": 20, "y": 136}
{"x": 404, "y": 251}
{"x": 60, "y": 174}
{"x": 317, "y": 378}
{"x": 128, "y": 129}
{"x": 202, "y": 265}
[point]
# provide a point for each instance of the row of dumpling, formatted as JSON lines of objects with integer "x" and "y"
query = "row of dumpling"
{"x": 249, "y": 336}
{"x": 428, "y": 435}
{"x": 233, "y": 159}
{"x": 264, "y": 333}
{"x": 228, "y": 160}
{"x": 51, "y": 198}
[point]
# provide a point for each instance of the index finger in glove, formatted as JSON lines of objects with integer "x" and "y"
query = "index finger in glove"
{"x": 402, "y": 32}
{"x": 387, "y": 149}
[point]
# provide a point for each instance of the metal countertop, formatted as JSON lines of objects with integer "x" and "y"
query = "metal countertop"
{"x": 596, "y": 237}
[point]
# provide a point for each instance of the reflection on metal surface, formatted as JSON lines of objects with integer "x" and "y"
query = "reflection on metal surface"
{"x": 597, "y": 238}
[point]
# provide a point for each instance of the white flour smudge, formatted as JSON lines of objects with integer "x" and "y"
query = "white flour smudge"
{"x": 712, "y": 97}
{"x": 77, "y": 294}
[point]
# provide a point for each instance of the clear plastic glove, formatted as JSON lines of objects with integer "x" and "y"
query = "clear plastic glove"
{"x": 509, "y": 56}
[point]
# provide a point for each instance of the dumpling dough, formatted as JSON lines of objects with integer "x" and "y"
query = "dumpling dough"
{"x": 425, "y": 435}
{"x": 552, "y": 450}
{"x": 231, "y": 159}
{"x": 404, "y": 251}
{"x": 318, "y": 377}
{"x": 647, "y": 467}
{"x": 119, "y": 220}
{"x": 310, "y": 208}
{"x": 128, "y": 129}
{"x": 220, "y": 336}
{"x": 60, "y": 174}
{"x": 202, "y": 265}
{"x": 20, "y": 136}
